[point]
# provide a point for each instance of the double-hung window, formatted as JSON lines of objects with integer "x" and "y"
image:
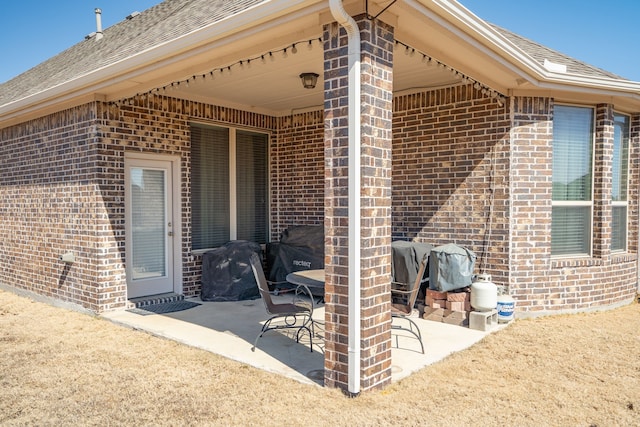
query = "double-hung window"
{"x": 620, "y": 176}
{"x": 229, "y": 186}
{"x": 572, "y": 204}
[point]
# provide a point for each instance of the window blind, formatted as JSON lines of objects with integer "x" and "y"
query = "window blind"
{"x": 572, "y": 145}
{"x": 572, "y": 180}
{"x": 251, "y": 181}
{"x": 209, "y": 187}
{"x": 620, "y": 179}
{"x": 148, "y": 214}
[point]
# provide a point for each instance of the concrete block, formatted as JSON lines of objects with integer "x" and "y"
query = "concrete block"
{"x": 483, "y": 320}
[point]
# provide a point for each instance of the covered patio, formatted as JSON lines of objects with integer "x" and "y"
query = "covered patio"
{"x": 229, "y": 329}
{"x": 330, "y": 151}
{"x": 426, "y": 124}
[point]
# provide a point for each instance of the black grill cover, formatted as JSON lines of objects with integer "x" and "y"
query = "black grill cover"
{"x": 405, "y": 260}
{"x": 300, "y": 248}
{"x": 227, "y": 274}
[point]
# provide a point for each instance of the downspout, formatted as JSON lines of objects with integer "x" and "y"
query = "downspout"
{"x": 353, "y": 35}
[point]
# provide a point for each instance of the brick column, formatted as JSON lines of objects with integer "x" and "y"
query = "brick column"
{"x": 602, "y": 182}
{"x": 376, "y": 94}
{"x": 530, "y": 213}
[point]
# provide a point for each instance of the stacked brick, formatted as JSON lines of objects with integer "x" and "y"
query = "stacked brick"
{"x": 448, "y": 307}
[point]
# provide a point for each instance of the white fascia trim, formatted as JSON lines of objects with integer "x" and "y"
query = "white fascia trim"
{"x": 156, "y": 56}
{"x": 527, "y": 68}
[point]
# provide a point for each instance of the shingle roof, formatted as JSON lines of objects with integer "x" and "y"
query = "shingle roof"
{"x": 158, "y": 24}
{"x": 174, "y": 18}
{"x": 539, "y": 53}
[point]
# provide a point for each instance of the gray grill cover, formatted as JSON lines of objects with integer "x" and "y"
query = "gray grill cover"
{"x": 227, "y": 274}
{"x": 450, "y": 267}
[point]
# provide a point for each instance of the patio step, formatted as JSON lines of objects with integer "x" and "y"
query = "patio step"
{"x": 155, "y": 299}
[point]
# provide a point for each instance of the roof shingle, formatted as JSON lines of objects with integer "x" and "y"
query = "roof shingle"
{"x": 172, "y": 19}
{"x": 539, "y": 53}
{"x": 159, "y": 24}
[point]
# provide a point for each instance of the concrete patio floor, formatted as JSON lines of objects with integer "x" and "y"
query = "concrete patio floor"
{"x": 230, "y": 328}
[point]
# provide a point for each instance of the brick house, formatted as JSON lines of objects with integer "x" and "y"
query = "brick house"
{"x": 187, "y": 125}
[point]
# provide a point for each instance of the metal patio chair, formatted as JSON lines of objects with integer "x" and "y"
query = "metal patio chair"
{"x": 403, "y": 301}
{"x": 294, "y": 315}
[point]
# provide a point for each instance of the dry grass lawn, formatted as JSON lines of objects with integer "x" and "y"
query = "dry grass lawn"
{"x": 60, "y": 367}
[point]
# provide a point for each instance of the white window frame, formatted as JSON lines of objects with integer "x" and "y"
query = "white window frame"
{"x": 233, "y": 198}
{"x": 624, "y": 203}
{"x": 589, "y": 203}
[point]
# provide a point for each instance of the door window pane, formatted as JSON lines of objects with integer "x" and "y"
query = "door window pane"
{"x": 148, "y": 215}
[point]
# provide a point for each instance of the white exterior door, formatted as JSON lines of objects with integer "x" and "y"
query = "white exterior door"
{"x": 149, "y": 227}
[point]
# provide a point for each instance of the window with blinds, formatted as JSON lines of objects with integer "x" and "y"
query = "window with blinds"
{"x": 251, "y": 182}
{"x": 572, "y": 180}
{"x": 229, "y": 187}
{"x": 620, "y": 179}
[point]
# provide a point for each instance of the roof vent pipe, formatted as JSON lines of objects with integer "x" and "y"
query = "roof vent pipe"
{"x": 98, "y": 23}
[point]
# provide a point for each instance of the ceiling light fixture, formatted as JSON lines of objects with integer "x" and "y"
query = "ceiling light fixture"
{"x": 309, "y": 80}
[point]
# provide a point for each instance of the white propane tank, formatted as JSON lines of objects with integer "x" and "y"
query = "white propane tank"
{"x": 484, "y": 293}
{"x": 506, "y": 307}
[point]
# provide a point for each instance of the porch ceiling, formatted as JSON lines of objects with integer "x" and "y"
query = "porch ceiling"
{"x": 273, "y": 85}
{"x": 464, "y": 50}
{"x": 221, "y": 73}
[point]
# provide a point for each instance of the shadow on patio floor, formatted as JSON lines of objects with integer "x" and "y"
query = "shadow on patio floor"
{"x": 230, "y": 328}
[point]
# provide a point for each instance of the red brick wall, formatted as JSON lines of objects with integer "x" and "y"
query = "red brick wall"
{"x": 63, "y": 190}
{"x": 297, "y": 172}
{"x": 634, "y": 184}
{"x": 160, "y": 125}
{"x": 451, "y": 171}
{"x": 455, "y": 159}
{"x": 50, "y": 205}
{"x": 602, "y": 185}
{"x": 542, "y": 284}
